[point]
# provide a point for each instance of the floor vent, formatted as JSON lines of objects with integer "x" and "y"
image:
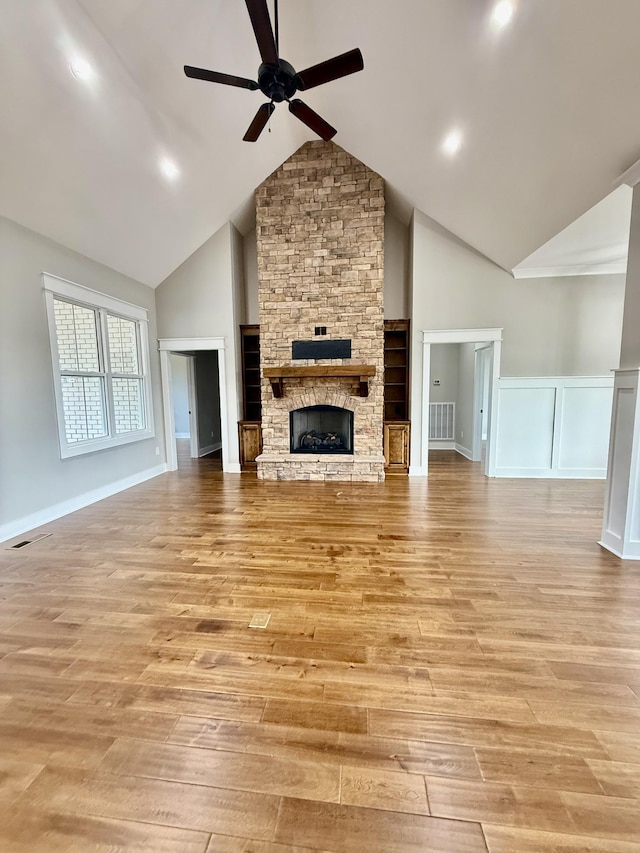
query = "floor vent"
{"x": 442, "y": 421}
{"x": 24, "y": 542}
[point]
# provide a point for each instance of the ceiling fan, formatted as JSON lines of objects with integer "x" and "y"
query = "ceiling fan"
{"x": 278, "y": 79}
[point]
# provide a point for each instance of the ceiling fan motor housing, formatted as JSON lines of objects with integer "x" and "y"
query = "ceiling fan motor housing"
{"x": 278, "y": 82}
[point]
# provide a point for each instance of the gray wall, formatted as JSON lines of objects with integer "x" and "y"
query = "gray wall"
{"x": 208, "y": 396}
{"x": 630, "y": 348}
{"x": 397, "y": 245}
{"x": 250, "y": 252}
{"x": 552, "y": 327}
{"x": 197, "y": 300}
{"x": 33, "y": 478}
{"x": 445, "y": 359}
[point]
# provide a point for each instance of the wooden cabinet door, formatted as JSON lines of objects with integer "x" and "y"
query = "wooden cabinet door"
{"x": 396, "y": 446}
{"x": 250, "y": 443}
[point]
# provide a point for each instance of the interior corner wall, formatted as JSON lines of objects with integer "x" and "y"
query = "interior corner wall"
{"x": 552, "y": 326}
{"x": 396, "y": 268}
{"x": 198, "y": 301}
{"x": 36, "y": 484}
{"x": 630, "y": 345}
{"x": 251, "y": 284}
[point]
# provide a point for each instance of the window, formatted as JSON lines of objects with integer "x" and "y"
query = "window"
{"x": 99, "y": 348}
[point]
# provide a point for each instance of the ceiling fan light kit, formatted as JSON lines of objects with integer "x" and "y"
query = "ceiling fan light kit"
{"x": 278, "y": 79}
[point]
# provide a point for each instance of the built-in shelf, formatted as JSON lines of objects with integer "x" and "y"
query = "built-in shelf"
{"x": 360, "y": 372}
{"x": 396, "y": 372}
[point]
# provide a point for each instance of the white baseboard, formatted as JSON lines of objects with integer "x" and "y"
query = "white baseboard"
{"x": 51, "y": 513}
{"x": 441, "y": 444}
{"x": 210, "y": 448}
{"x": 463, "y": 451}
{"x": 612, "y": 544}
{"x": 231, "y": 468}
{"x": 554, "y": 473}
{"x": 183, "y": 435}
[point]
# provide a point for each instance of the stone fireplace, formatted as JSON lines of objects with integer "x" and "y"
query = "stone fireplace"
{"x": 320, "y": 232}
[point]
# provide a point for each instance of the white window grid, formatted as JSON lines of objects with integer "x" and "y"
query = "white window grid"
{"x": 103, "y": 308}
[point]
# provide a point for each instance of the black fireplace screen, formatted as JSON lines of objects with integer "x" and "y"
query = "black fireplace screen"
{"x": 321, "y": 429}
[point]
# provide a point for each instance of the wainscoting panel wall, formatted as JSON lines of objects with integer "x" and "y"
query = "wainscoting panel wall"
{"x": 553, "y": 426}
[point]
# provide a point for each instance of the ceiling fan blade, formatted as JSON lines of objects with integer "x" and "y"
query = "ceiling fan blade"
{"x": 261, "y": 23}
{"x": 217, "y": 77}
{"x": 259, "y": 122}
{"x": 331, "y": 69}
{"x": 312, "y": 119}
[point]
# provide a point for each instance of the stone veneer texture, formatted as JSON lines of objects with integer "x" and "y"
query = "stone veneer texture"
{"x": 320, "y": 233}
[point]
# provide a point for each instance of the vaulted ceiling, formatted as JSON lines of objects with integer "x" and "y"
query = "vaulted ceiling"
{"x": 547, "y": 107}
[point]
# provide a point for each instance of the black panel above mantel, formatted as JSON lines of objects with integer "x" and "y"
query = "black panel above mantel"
{"x": 320, "y": 349}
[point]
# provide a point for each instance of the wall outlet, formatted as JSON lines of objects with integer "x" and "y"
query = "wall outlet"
{"x": 211, "y": 433}
{"x": 436, "y": 381}
{"x": 461, "y": 434}
{"x": 157, "y": 451}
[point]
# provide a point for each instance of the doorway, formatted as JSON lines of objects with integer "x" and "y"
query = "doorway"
{"x": 483, "y": 347}
{"x": 208, "y": 421}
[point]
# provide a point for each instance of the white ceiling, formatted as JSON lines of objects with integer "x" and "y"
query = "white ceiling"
{"x": 548, "y": 108}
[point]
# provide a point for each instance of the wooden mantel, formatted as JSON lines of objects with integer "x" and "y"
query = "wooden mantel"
{"x": 361, "y": 372}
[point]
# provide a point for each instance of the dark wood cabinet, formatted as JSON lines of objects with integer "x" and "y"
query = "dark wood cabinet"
{"x": 396, "y": 370}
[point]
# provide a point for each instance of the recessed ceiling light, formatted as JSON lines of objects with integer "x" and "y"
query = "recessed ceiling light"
{"x": 452, "y": 143}
{"x": 502, "y": 13}
{"x": 80, "y": 68}
{"x": 169, "y": 169}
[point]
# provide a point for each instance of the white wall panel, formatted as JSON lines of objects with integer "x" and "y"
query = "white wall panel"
{"x": 525, "y": 428}
{"x": 553, "y": 426}
{"x": 583, "y": 430}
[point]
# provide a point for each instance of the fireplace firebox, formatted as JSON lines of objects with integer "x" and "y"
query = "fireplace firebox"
{"x": 321, "y": 429}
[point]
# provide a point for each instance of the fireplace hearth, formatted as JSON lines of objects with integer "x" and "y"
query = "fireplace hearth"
{"x": 321, "y": 429}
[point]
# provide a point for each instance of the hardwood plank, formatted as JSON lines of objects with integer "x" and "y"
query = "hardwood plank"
{"x": 620, "y": 746}
{"x": 487, "y": 733}
{"x": 616, "y": 778}
{"x": 493, "y": 802}
{"x": 606, "y": 717}
{"x": 227, "y": 844}
{"x": 158, "y": 802}
{"x": 350, "y": 828}
{"x": 604, "y": 816}
{"x": 48, "y": 746}
{"x": 383, "y": 789}
{"x": 27, "y": 830}
{"x": 315, "y": 715}
{"x": 539, "y": 770}
{"x": 508, "y": 839}
{"x": 15, "y": 777}
{"x": 262, "y": 774}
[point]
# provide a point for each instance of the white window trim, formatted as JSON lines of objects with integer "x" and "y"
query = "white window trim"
{"x": 68, "y": 290}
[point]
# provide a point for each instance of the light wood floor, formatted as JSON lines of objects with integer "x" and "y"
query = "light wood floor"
{"x": 449, "y": 666}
